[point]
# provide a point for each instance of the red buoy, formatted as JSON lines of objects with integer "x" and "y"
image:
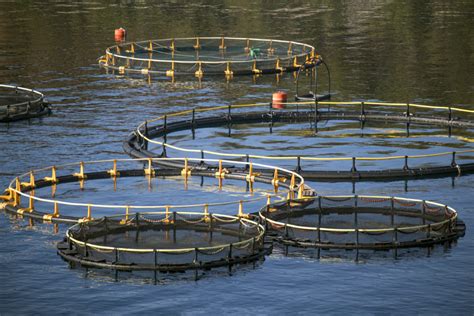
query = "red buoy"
{"x": 279, "y": 99}
{"x": 120, "y": 34}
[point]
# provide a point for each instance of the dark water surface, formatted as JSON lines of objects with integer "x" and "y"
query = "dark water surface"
{"x": 394, "y": 51}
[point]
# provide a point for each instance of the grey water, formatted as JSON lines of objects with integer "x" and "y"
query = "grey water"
{"x": 394, "y": 51}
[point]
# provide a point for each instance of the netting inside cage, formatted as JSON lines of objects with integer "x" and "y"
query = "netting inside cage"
{"x": 166, "y": 240}
{"x": 364, "y": 222}
{"x": 210, "y": 56}
{"x": 308, "y": 127}
{"x": 18, "y": 102}
{"x": 71, "y": 192}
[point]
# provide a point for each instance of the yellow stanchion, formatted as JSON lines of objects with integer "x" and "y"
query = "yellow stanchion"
{"x": 222, "y": 45}
{"x": 197, "y": 45}
{"x": 228, "y": 72}
{"x": 170, "y": 73}
{"x": 80, "y": 175}
{"x": 278, "y": 66}
{"x": 275, "y": 181}
{"x": 113, "y": 172}
{"x": 53, "y": 178}
{"x": 17, "y": 200}
{"x": 241, "y": 210}
{"x": 255, "y": 70}
{"x": 199, "y": 73}
{"x": 186, "y": 172}
{"x": 295, "y": 62}
{"x": 247, "y": 47}
{"x": 31, "y": 184}
{"x": 149, "y": 171}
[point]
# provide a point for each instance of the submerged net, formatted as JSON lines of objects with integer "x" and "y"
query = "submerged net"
{"x": 361, "y": 222}
{"x": 164, "y": 241}
{"x": 18, "y": 102}
{"x": 201, "y": 56}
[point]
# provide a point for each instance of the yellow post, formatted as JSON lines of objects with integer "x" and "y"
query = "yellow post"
{"x": 275, "y": 180}
{"x": 241, "y": 209}
{"x": 149, "y": 171}
{"x": 32, "y": 180}
{"x": 170, "y": 73}
{"x": 17, "y": 199}
{"x": 149, "y": 64}
{"x": 290, "y": 50}
{"x": 271, "y": 50}
{"x": 199, "y": 73}
{"x": 150, "y": 46}
{"x": 89, "y": 212}
{"x": 295, "y": 62}
{"x": 222, "y": 46}
{"x": 56, "y": 210}
{"x": 197, "y": 45}
{"x": 127, "y": 212}
{"x": 31, "y": 203}
{"x": 80, "y": 175}
{"x": 132, "y": 48}
{"x": 185, "y": 172}
{"x": 228, "y": 72}
{"x": 113, "y": 172}
{"x": 269, "y": 199}
{"x": 53, "y": 178}
{"x": 278, "y": 66}
{"x": 167, "y": 214}
{"x": 301, "y": 191}
{"x": 255, "y": 70}
{"x": 292, "y": 181}
{"x": 172, "y": 45}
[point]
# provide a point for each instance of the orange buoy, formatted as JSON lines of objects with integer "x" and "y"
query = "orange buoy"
{"x": 279, "y": 99}
{"x": 120, "y": 34}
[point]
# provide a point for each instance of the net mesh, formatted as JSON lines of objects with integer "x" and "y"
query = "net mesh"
{"x": 366, "y": 222}
{"x": 167, "y": 239}
{"x": 17, "y": 101}
{"x": 209, "y": 55}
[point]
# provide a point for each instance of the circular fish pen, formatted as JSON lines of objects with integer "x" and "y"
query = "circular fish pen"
{"x": 203, "y": 56}
{"x": 22, "y": 194}
{"x": 17, "y": 103}
{"x": 145, "y": 140}
{"x": 362, "y": 222}
{"x": 165, "y": 242}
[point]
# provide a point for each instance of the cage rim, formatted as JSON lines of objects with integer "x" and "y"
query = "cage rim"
{"x": 16, "y": 187}
{"x": 453, "y": 215}
{"x": 16, "y": 88}
{"x": 120, "y": 56}
{"x": 139, "y": 133}
{"x": 259, "y": 236}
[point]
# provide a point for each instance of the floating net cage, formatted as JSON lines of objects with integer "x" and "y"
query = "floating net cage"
{"x": 163, "y": 241}
{"x": 18, "y": 103}
{"x": 22, "y": 200}
{"x": 150, "y": 138}
{"x": 362, "y": 222}
{"x": 202, "y": 56}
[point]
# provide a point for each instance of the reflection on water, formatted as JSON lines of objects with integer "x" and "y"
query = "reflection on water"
{"x": 377, "y": 50}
